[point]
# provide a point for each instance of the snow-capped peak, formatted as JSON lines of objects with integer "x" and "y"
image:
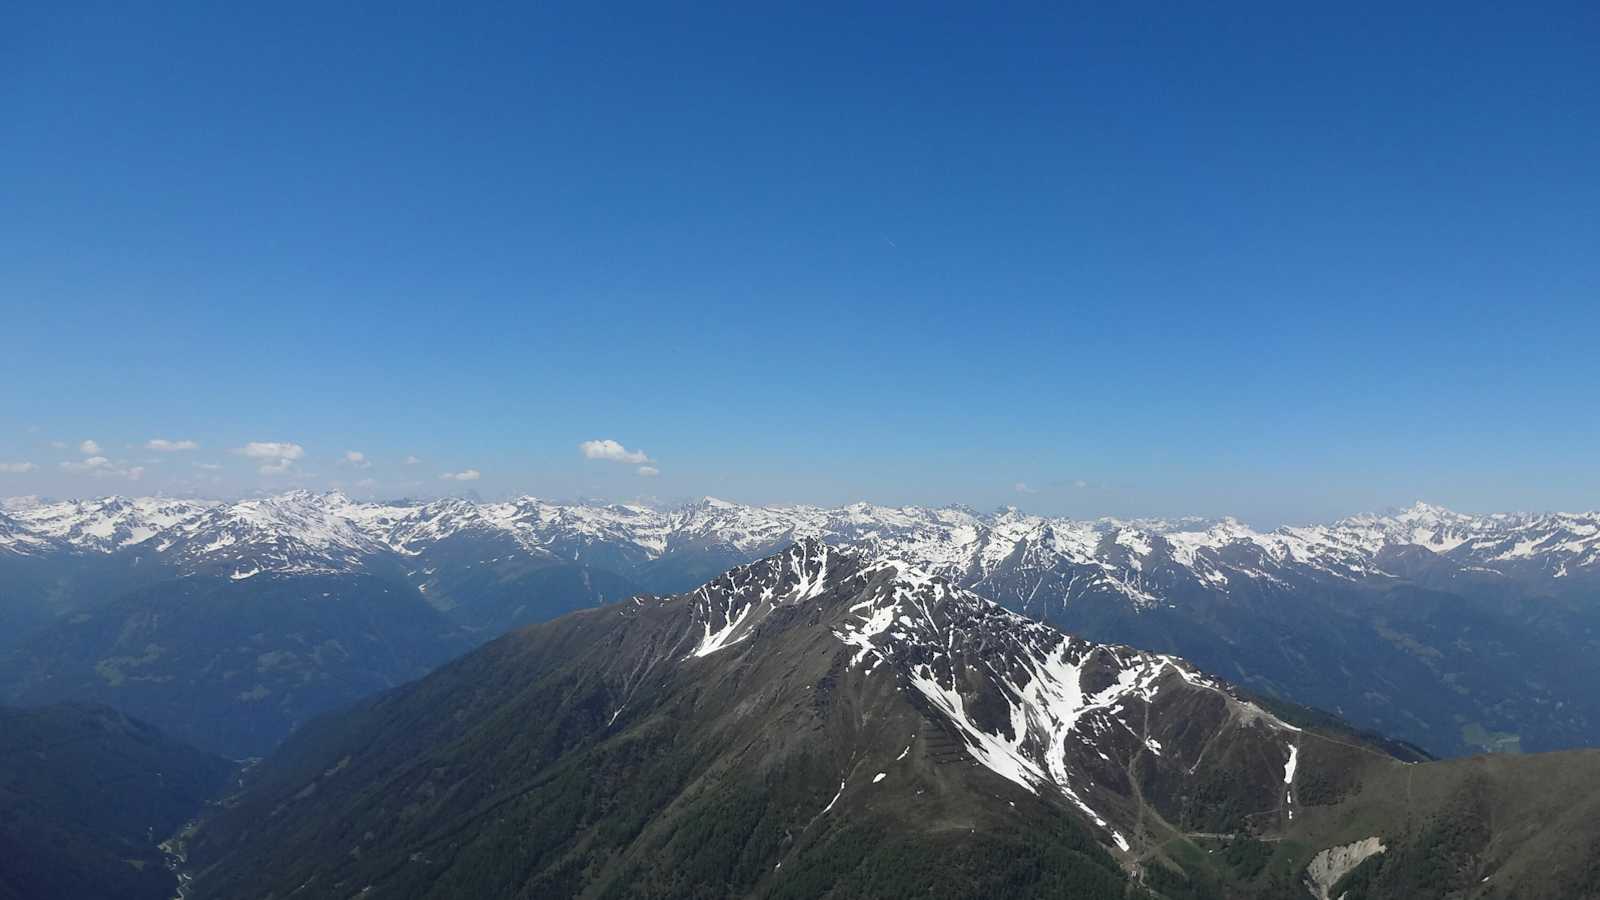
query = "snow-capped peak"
{"x": 108, "y": 523}
{"x": 1422, "y": 511}
{"x": 1030, "y": 703}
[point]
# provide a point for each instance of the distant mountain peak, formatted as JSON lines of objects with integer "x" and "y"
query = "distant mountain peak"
{"x": 1422, "y": 511}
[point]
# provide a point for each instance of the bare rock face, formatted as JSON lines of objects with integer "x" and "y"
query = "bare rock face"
{"x": 1332, "y": 864}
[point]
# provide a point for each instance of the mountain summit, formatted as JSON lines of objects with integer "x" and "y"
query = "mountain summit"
{"x": 1029, "y": 703}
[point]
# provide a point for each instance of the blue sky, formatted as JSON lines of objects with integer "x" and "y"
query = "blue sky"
{"x": 1280, "y": 263}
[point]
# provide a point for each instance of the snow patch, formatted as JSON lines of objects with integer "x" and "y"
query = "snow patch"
{"x": 835, "y": 798}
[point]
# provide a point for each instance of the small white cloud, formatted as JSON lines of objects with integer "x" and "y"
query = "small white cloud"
{"x": 463, "y": 475}
{"x": 412, "y": 460}
{"x": 613, "y": 451}
{"x": 89, "y": 448}
{"x": 366, "y": 482}
{"x": 1022, "y": 488}
{"x": 277, "y": 456}
{"x": 100, "y": 467}
{"x": 165, "y": 446}
{"x": 59, "y": 445}
{"x": 649, "y": 471}
{"x": 1080, "y": 483}
{"x": 17, "y": 468}
{"x": 271, "y": 450}
{"x": 209, "y": 467}
{"x": 92, "y": 464}
{"x": 357, "y": 458}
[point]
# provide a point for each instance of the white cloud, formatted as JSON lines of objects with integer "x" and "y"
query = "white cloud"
{"x": 412, "y": 460}
{"x": 209, "y": 467}
{"x": 92, "y": 464}
{"x": 17, "y": 467}
{"x": 89, "y": 448}
{"x": 464, "y": 475}
{"x": 357, "y": 458}
{"x": 366, "y": 482}
{"x": 613, "y": 451}
{"x": 100, "y": 467}
{"x": 271, "y": 450}
{"x": 1080, "y": 483}
{"x": 59, "y": 445}
{"x": 277, "y": 456}
{"x": 649, "y": 471}
{"x": 165, "y": 446}
{"x": 1022, "y": 488}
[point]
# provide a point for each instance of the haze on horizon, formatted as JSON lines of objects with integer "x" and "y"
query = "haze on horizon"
{"x": 1283, "y": 265}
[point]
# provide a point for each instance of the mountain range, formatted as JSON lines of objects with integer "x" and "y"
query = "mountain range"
{"x": 302, "y": 531}
{"x": 825, "y": 722}
{"x": 1455, "y": 632}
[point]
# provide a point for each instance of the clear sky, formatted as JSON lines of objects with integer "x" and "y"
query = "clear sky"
{"x": 1268, "y": 259}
